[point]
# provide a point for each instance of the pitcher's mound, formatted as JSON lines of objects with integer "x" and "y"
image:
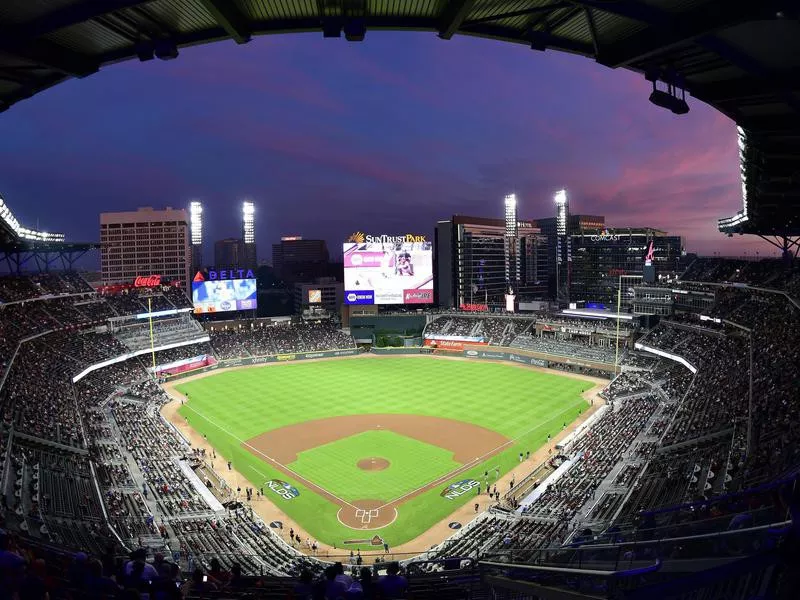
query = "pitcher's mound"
{"x": 373, "y": 464}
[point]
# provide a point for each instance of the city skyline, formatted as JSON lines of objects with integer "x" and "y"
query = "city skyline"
{"x": 391, "y": 135}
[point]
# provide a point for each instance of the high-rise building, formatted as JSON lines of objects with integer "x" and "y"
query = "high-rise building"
{"x": 472, "y": 266}
{"x": 231, "y": 253}
{"x": 575, "y": 224}
{"x": 145, "y": 242}
{"x": 604, "y": 258}
{"x": 325, "y": 293}
{"x": 294, "y": 255}
{"x": 250, "y": 258}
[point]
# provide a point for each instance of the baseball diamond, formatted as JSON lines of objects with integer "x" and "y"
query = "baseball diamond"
{"x": 373, "y": 443}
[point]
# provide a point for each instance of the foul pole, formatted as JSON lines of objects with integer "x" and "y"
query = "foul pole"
{"x": 152, "y": 341}
{"x": 619, "y": 307}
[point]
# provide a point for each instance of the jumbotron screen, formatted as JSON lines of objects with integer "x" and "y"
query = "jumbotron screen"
{"x": 388, "y": 270}
{"x": 224, "y": 295}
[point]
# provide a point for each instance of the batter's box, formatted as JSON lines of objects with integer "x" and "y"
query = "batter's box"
{"x": 366, "y": 516}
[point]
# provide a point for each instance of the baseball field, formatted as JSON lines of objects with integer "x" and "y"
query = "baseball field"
{"x": 352, "y": 448}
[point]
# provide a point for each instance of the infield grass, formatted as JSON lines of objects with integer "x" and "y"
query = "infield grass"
{"x": 412, "y": 464}
{"x": 520, "y": 403}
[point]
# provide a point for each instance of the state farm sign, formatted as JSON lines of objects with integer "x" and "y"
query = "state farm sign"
{"x": 148, "y": 281}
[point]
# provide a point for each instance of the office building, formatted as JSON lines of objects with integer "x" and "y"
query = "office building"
{"x": 559, "y": 255}
{"x": 232, "y": 253}
{"x": 297, "y": 258}
{"x": 145, "y": 242}
{"x": 604, "y": 257}
{"x": 475, "y": 266}
{"x": 325, "y": 293}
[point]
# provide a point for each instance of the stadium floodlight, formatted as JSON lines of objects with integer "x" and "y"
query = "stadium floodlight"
{"x": 511, "y": 215}
{"x": 23, "y": 232}
{"x": 561, "y": 215}
{"x": 731, "y": 224}
{"x": 196, "y": 222}
{"x": 248, "y": 222}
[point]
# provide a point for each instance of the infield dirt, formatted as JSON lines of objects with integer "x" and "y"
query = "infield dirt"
{"x": 470, "y": 444}
{"x": 373, "y": 463}
{"x": 464, "y": 440}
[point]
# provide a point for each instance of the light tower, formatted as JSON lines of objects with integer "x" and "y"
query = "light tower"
{"x": 249, "y": 233}
{"x": 511, "y": 250}
{"x": 196, "y": 234}
{"x": 563, "y": 247}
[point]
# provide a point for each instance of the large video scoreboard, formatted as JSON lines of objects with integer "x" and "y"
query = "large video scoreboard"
{"x": 388, "y": 269}
{"x": 224, "y": 291}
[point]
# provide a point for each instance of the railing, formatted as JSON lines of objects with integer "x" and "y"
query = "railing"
{"x": 635, "y": 554}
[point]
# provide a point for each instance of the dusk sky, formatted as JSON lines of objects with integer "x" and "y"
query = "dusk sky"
{"x": 387, "y": 136}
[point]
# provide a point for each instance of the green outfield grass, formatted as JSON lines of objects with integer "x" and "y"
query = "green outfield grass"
{"x": 412, "y": 464}
{"x": 520, "y": 403}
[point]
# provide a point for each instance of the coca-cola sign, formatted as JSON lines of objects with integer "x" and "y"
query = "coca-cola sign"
{"x": 147, "y": 281}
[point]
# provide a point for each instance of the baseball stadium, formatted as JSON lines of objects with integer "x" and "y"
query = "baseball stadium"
{"x": 161, "y": 438}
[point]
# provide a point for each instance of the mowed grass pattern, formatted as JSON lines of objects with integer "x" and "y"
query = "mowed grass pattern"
{"x": 521, "y": 403}
{"x": 412, "y": 464}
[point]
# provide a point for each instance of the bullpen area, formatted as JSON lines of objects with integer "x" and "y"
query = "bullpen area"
{"x": 370, "y": 450}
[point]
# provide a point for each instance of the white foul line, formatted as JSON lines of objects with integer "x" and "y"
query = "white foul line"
{"x": 474, "y": 462}
{"x": 269, "y": 458}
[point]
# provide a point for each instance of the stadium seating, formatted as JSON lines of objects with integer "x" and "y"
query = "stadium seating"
{"x": 277, "y": 339}
{"x": 92, "y": 466}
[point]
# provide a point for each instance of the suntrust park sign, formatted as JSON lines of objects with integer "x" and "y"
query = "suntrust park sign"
{"x": 360, "y": 237}
{"x": 605, "y": 236}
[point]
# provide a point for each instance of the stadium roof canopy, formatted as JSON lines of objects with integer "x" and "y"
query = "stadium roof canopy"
{"x": 740, "y": 56}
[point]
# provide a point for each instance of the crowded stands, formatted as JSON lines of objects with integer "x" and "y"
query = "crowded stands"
{"x": 93, "y": 467}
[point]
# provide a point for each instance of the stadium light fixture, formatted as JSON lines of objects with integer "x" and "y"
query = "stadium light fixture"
{"x": 196, "y": 222}
{"x": 511, "y": 215}
{"x": 669, "y": 99}
{"x": 561, "y": 212}
{"x": 248, "y": 222}
{"x": 24, "y": 232}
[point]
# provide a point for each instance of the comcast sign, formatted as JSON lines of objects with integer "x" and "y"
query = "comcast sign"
{"x": 605, "y": 236}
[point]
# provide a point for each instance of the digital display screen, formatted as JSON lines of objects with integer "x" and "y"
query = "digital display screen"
{"x": 315, "y": 296}
{"x": 388, "y": 273}
{"x": 224, "y": 295}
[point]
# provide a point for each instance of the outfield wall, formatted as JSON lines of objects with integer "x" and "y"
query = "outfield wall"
{"x": 535, "y": 359}
{"x": 514, "y": 355}
{"x": 260, "y": 360}
{"x": 398, "y": 351}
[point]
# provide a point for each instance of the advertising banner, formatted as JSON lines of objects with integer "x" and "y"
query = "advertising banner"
{"x": 510, "y": 356}
{"x": 474, "y": 307}
{"x": 527, "y": 360}
{"x": 417, "y": 296}
{"x": 456, "y": 345}
{"x": 455, "y": 338}
{"x": 359, "y": 297}
{"x": 260, "y": 360}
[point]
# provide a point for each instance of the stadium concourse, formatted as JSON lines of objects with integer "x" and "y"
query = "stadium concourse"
{"x": 698, "y": 436}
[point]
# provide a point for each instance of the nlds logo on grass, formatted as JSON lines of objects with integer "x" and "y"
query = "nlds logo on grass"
{"x": 459, "y": 488}
{"x": 285, "y": 490}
